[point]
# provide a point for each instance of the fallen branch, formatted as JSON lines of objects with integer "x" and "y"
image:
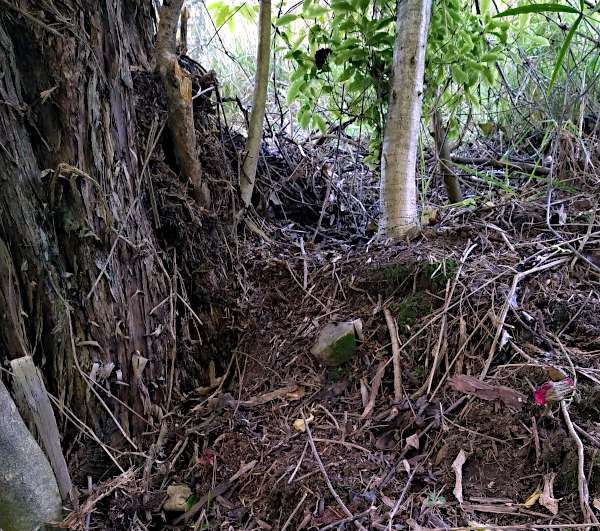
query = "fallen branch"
{"x": 393, "y": 329}
{"x": 374, "y": 390}
{"x": 502, "y": 164}
{"x": 584, "y": 495}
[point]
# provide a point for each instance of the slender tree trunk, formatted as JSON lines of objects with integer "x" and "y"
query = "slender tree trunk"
{"x": 399, "y": 154}
{"x": 257, "y": 116}
{"x": 450, "y": 179}
{"x": 77, "y": 251}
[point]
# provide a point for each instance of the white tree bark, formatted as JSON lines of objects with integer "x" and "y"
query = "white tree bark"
{"x": 257, "y": 116}
{"x": 399, "y": 155}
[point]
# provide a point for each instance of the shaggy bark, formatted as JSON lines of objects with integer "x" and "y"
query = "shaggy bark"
{"x": 398, "y": 190}
{"x": 79, "y": 273}
{"x": 259, "y": 100}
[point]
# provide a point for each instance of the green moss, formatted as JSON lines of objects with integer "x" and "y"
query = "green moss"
{"x": 412, "y": 308}
{"x": 396, "y": 273}
{"x": 342, "y": 350}
{"x": 335, "y": 374}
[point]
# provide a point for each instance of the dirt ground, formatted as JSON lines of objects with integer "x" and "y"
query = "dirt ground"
{"x": 505, "y": 292}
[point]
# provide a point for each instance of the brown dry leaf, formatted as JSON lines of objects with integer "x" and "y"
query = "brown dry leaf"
{"x": 388, "y": 501}
{"x": 457, "y": 467}
{"x": 486, "y": 391}
{"x": 547, "y": 498}
{"x": 556, "y": 374}
{"x": 596, "y": 503}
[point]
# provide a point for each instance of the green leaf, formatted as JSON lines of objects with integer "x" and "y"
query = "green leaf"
{"x": 295, "y": 89}
{"x": 350, "y": 42}
{"x": 341, "y": 6}
{"x": 316, "y": 11}
{"x": 346, "y": 75}
{"x": 490, "y": 76}
{"x": 303, "y": 118}
{"x": 345, "y": 55}
{"x": 458, "y": 75}
{"x": 563, "y": 51}
{"x": 319, "y": 122}
{"x": 537, "y": 8}
{"x": 538, "y": 40}
{"x": 384, "y": 22}
{"x": 286, "y": 19}
{"x": 490, "y": 57}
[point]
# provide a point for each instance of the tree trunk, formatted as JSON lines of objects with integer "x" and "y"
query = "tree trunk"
{"x": 399, "y": 155}
{"x": 443, "y": 155}
{"x": 77, "y": 251}
{"x": 257, "y": 116}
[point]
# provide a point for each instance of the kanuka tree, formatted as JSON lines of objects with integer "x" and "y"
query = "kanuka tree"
{"x": 399, "y": 154}
{"x": 81, "y": 282}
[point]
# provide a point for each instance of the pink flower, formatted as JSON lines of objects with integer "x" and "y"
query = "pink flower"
{"x": 554, "y": 391}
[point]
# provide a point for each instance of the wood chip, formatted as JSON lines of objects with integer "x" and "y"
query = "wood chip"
{"x": 457, "y": 467}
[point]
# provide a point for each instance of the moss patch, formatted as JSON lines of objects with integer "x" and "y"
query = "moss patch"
{"x": 409, "y": 310}
{"x": 342, "y": 350}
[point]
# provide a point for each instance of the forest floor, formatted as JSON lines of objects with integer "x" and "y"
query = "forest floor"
{"x": 491, "y": 292}
{"x": 490, "y": 303}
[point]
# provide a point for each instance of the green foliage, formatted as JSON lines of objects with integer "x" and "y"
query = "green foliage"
{"x": 224, "y": 12}
{"x": 396, "y": 274}
{"x": 554, "y": 8}
{"x": 435, "y": 500}
{"x": 439, "y": 273}
{"x": 412, "y": 308}
{"x": 357, "y": 40}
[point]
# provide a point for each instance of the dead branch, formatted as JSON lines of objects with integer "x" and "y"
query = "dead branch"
{"x": 393, "y": 329}
{"x": 374, "y": 390}
{"x": 502, "y": 164}
{"x": 584, "y": 495}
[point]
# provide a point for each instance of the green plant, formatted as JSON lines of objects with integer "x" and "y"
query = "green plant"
{"x": 435, "y": 500}
{"x": 440, "y": 272}
{"x": 581, "y": 14}
{"x": 411, "y": 308}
